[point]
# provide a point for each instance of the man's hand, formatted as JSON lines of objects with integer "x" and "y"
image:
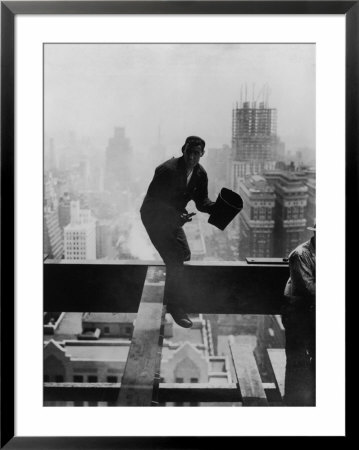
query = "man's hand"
{"x": 184, "y": 218}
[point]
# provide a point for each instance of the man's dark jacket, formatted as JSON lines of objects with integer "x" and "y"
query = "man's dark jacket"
{"x": 168, "y": 192}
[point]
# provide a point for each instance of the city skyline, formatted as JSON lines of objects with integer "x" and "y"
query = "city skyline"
{"x": 94, "y": 188}
{"x": 174, "y": 90}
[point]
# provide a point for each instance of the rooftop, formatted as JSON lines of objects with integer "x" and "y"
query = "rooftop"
{"x": 79, "y": 226}
{"x": 93, "y": 352}
{"x": 109, "y": 317}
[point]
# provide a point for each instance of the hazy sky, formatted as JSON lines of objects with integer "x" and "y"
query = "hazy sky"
{"x": 182, "y": 88}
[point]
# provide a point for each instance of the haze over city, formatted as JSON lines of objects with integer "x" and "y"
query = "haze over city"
{"x": 176, "y": 90}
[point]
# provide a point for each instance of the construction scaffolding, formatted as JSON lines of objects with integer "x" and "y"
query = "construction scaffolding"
{"x": 254, "y": 132}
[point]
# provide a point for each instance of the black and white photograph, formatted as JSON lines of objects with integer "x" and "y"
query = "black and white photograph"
{"x": 164, "y": 169}
{"x": 179, "y": 224}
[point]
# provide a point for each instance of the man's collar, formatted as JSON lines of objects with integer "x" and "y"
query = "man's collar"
{"x": 182, "y": 165}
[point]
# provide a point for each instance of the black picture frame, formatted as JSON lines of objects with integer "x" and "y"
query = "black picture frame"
{"x": 9, "y": 10}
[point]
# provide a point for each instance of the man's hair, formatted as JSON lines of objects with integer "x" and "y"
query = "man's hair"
{"x": 194, "y": 141}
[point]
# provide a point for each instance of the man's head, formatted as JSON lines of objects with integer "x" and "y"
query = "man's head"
{"x": 314, "y": 231}
{"x": 312, "y": 228}
{"x": 192, "y": 150}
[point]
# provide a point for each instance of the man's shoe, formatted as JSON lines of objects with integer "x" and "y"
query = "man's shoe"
{"x": 179, "y": 316}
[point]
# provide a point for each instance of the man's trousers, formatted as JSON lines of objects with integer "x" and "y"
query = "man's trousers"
{"x": 298, "y": 320}
{"x": 171, "y": 243}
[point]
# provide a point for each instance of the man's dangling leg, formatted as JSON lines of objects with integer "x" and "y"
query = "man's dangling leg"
{"x": 174, "y": 288}
{"x": 171, "y": 243}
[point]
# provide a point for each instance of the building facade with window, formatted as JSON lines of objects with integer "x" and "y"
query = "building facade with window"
{"x": 255, "y": 144}
{"x": 256, "y": 220}
{"x": 118, "y": 325}
{"x": 291, "y": 194}
{"x": 187, "y": 357}
{"x": 53, "y": 241}
{"x": 80, "y": 234}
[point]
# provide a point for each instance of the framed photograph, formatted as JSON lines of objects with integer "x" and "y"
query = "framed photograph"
{"x": 165, "y": 166}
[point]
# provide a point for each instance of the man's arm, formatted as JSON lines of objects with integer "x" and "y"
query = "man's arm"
{"x": 157, "y": 201}
{"x": 203, "y": 203}
{"x": 302, "y": 275}
{"x": 160, "y": 182}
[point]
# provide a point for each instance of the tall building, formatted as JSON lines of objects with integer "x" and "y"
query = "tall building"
{"x": 308, "y": 175}
{"x": 311, "y": 208}
{"x": 64, "y": 210}
{"x": 303, "y": 156}
{"x": 291, "y": 195}
{"x": 256, "y": 220}
{"x": 80, "y": 234}
{"x": 255, "y": 143}
{"x": 53, "y": 242}
{"x": 104, "y": 248}
{"x": 118, "y": 161}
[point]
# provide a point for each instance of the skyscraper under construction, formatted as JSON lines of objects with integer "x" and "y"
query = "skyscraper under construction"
{"x": 255, "y": 144}
{"x": 254, "y": 132}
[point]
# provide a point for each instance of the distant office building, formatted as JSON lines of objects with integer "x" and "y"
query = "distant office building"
{"x": 53, "y": 242}
{"x": 83, "y": 169}
{"x": 243, "y": 169}
{"x": 311, "y": 206}
{"x": 118, "y": 161}
{"x": 278, "y": 206}
{"x": 308, "y": 177}
{"x": 80, "y": 242}
{"x": 50, "y": 188}
{"x": 254, "y": 139}
{"x": 64, "y": 210}
{"x": 256, "y": 220}
{"x": 304, "y": 156}
{"x": 104, "y": 246}
{"x": 291, "y": 195}
{"x": 79, "y": 215}
{"x": 80, "y": 234}
{"x": 101, "y": 204}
